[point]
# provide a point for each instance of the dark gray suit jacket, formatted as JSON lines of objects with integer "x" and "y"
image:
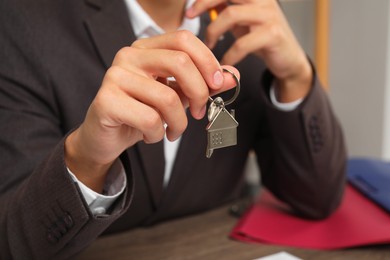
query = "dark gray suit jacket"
{"x": 53, "y": 56}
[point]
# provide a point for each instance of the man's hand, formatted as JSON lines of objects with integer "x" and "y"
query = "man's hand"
{"x": 260, "y": 28}
{"x": 133, "y": 102}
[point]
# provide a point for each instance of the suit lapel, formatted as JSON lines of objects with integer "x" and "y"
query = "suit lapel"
{"x": 191, "y": 152}
{"x": 109, "y": 27}
{"x": 152, "y": 159}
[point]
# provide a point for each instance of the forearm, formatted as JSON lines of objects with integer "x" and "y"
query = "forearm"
{"x": 306, "y": 167}
{"x": 89, "y": 172}
{"x": 296, "y": 85}
{"x": 47, "y": 213}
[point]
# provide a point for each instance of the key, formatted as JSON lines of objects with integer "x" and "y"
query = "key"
{"x": 222, "y": 126}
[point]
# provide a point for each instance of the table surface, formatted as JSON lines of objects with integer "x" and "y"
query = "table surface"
{"x": 205, "y": 236}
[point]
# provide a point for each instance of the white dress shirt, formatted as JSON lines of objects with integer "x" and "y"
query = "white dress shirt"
{"x": 144, "y": 27}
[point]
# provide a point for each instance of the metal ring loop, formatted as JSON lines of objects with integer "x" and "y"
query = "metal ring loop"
{"x": 238, "y": 88}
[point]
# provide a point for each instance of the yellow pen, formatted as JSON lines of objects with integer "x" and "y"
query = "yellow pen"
{"x": 213, "y": 14}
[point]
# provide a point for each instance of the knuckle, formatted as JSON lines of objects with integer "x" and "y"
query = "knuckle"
{"x": 114, "y": 74}
{"x": 200, "y": 98}
{"x": 275, "y": 31}
{"x": 123, "y": 53}
{"x": 181, "y": 59}
{"x": 153, "y": 137}
{"x": 171, "y": 99}
{"x": 138, "y": 44}
{"x": 183, "y": 37}
{"x": 102, "y": 100}
{"x": 151, "y": 122}
{"x": 202, "y": 94}
{"x": 99, "y": 100}
{"x": 230, "y": 12}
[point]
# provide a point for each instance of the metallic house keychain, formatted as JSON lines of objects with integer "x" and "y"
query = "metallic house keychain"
{"x": 222, "y": 126}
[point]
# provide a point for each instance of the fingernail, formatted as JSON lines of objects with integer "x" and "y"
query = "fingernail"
{"x": 218, "y": 78}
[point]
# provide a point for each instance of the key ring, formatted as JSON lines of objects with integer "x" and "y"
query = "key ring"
{"x": 238, "y": 88}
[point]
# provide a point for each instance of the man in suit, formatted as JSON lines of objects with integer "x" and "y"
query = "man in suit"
{"x": 85, "y": 107}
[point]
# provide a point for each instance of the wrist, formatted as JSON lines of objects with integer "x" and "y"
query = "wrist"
{"x": 77, "y": 158}
{"x": 296, "y": 85}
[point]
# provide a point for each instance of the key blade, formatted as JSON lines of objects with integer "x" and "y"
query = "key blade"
{"x": 209, "y": 152}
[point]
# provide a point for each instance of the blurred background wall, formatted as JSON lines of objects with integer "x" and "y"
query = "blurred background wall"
{"x": 359, "y": 73}
{"x": 359, "y": 67}
{"x": 358, "y": 70}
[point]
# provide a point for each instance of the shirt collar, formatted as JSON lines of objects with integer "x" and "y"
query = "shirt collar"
{"x": 144, "y": 26}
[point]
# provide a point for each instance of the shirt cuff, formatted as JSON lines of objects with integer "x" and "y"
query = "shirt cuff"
{"x": 113, "y": 187}
{"x": 290, "y": 106}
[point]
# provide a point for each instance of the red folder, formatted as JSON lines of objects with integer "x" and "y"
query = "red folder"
{"x": 357, "y": 222}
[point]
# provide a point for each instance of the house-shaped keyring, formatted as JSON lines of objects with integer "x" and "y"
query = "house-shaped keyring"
{"x": 221, "y": 130}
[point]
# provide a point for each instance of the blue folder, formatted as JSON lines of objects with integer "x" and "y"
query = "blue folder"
{"x": 372, "y": 178}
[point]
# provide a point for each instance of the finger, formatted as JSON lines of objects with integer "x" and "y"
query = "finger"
{"x": 155, "y": 95}
{"x": 232, "y": 16}
{"x": 188, "y": 43}
{"x": 121, "y": 109}
{"x": 154, "y": 63}
{"x": 229, "y": 82}
{"x": 178, "y": 79}
{"x": 163, "y": 63}
{"x": 188, "y": 77}
{"x": 246, "y": 44}
{"x": 201, "y": 6}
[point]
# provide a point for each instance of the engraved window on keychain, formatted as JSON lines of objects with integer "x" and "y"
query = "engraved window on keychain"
{"x": 222, "y": 126}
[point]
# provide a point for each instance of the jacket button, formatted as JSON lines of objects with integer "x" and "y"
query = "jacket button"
{"x": 61, "y": 226}
{"x": 51, "y": 238}
{"x": 56, "y": 231}
{"x": 68, "y": 220}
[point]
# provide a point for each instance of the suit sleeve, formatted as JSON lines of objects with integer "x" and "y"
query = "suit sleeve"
{"x": 303, "y": 157}
{"x": 43, "y": 213}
